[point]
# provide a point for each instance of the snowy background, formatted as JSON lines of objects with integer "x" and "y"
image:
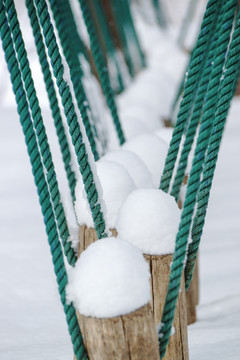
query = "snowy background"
{"x": 32, "y": 323}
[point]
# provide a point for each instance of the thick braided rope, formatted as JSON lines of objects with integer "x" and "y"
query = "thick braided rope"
{"x": 227, "y": 90}
{"x": 66, "y": 38}
{"x": 160, "y": 15}
{"x": 74, "y": 127}
{"x": 197, "y": 110}
{"x": 130, "y": 28}
{"x": 62, "y": 138}
{"x": 120, "y": 23}
{"x": 101, "y": 69}
{"x": 190, "y": 87}
{"x": 40, "y": 181}
{"x": 229, "y": 8}
{"x": 108, "y": 40}
{"x": 40, "y": 130}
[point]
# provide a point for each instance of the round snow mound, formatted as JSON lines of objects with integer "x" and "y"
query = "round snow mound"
{"x": 152, "y": 151}
{"x": 165, "y": 134}
{"x": 111, "y": 278}
{"x": 134, "y": 166}
{"x": 116, "y": 185}
{"x": 149, "y": 219}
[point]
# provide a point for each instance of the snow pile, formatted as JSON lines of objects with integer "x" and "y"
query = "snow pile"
{"x": 149, "y": 219}
{"x": 142, "y": 114}
{"x": 152, "y": 151}
{"x": 111, "y": 278}
{"x": 134, "y": 166}
{"x": 165, "y": 134}
{"x": 132, "y": 127}
{"x": 116, "y": 185}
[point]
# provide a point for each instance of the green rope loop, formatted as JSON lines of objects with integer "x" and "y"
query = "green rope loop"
{"x": 229, "y": 8}
{"x": 40, "y": 130}
{"x": 191, "y": 85}
{"x": 108, "y": 41}
{"x": 40, "y": 181}
{"x": 226, "y": 92}
{"x": 74, "y": 127}
{"x": 56, "y": 114}
{"x": 59, "y": 9}
{"x": 197, "y": 109}
{"x": 101, "y": 69}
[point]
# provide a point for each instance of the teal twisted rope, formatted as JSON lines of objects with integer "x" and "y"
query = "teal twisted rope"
{"x": 229, "y": 8}
{"x": 120, "y": 24}
{"x": 160, "y": 15}
{"x": 108, "y": 40}
{"x": 40, "y": 130}
{"x": 191, "y": 85}
{"x": 101, "y": 69}
{"x": 56, "y": 114}
{"x": 74, "y": 127}
{"x": 227, "y": 90}
{"x": 197, "y": 110}
{"x": 59, "y": 9}
{"x": 130, "y": 29}
{"x": 40, "y": 181}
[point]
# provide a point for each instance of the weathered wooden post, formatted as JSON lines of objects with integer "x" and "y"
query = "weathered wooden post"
{"x": 156, "y": 239}
{"x": 113, "y": 302}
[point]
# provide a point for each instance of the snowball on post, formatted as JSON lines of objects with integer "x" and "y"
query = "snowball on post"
{"x": 149, "y": 219}
{"x": 152, "y": 151}
{"x": 134, "y": 166}
{"x": 116, "y": 184}
{"x": 109, "y": 287}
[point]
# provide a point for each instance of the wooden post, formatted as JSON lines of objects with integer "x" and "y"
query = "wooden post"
{"x": 87, "y": 236}
{"x": 160, "y": 270}
{"x": 192, "y": 296}
{"x": 127, "y": 337}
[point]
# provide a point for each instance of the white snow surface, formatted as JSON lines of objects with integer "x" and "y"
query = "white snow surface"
{"x": 32, "y": 322}
{"x": 116, "y": 184}
{"x": 134, "y": 166}
{"x": 149, "y": 219}
{"x": 111, "y": 278}
{"x": 165, "y": 134}
{"x": 152, "y": 151}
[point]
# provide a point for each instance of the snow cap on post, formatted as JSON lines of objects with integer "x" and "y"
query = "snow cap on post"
{"x": 111, "y": 278}
{"x": 134, "y": 166}
{"x": 152, "y": 151}
{"x": 116, "y": 184}
{"x": 149, "y": 219}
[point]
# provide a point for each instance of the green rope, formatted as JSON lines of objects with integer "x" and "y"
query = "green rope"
{"x": 56, "y": 114}
{"x": 226, "y": 92}
{"x": 229, "y": 8}
{"x": 74, "y": 127}
{"x": 198, "y": 106}
{"x": 60, "y": 11}
{"x": 108, "y": 40}
{"x": 40, "y": 130}
{"x": 130, "y": 29}
{"x": 191, "y": 85}
{"x": 161, "y": 18}
{"x": 101, "y": 68}
{"x": 40, "y": 181}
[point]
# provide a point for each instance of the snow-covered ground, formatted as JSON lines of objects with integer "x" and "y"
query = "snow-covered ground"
{"x": 32, "y": 323}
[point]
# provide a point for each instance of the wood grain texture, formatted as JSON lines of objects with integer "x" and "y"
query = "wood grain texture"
{"x": 192, "y": 296}
{"x": 160, "y": 270}
{"x": 87, "y": 236}
{"x": 127, "y": 337}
